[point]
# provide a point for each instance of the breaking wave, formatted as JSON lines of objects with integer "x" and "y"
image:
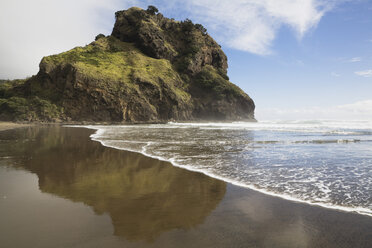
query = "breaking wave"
{"x": 325, "y": 163}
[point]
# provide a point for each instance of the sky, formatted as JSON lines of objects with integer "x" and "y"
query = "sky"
{"x": 297, "y": 59}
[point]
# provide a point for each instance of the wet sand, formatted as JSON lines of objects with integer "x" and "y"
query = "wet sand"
{"x": 60, "y": 189}
{"x": 12, "y": 125}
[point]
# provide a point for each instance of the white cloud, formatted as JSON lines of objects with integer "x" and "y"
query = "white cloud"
{"x": 355, "y": 59}
{"x": 334, "y": 74}
{"x": 300, "y": 62}
{"x": 32, "y": 29}
{"x": 361, "y": 110}
{"x": 251, "y": 25}
{"x": 366, "y": 73}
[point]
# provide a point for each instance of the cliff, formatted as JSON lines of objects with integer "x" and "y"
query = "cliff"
{"x": 150, "y": 69}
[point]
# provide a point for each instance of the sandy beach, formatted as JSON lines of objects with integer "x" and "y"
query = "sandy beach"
{"x": 58, "y": 188}
{"x": 12, "y": 125}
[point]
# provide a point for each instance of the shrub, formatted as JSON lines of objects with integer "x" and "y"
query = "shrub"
{"x": 152, "y": 10}
{"x": 201, "y": 28}
{"x": 29, "y": 109}
{"x": 187, "y": 25}
{"x": 209, "y": 79}
{"x": 100, "y": 36}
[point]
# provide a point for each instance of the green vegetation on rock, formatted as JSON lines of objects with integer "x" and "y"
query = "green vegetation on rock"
{"x": 29, "y": 109}
{"x": 209, "y": 79}
{"x": 150, "y": 69}
{"x": 15, "y": 106}
{"x": 115, "y": 63}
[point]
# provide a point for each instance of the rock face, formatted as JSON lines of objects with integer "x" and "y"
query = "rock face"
{"x": 151, "y": 69}
{"x": 163, "y": 38}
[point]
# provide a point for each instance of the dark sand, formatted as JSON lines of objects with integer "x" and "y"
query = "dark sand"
{"x": 60, "y": 189}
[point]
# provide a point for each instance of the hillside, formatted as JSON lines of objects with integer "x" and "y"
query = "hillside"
{"x": 150, "y": 69}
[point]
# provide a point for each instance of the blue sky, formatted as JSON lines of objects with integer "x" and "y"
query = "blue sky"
{"x": 305, "y": 59}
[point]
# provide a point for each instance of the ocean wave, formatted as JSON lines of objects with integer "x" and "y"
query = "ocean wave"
{"x": 327, "y": 174}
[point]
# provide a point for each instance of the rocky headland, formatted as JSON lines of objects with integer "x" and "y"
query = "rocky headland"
{"x": 150, "y": 69}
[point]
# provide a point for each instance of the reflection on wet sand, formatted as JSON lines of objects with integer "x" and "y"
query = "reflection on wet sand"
{"x": 144, "y": 197}
{"x": 150, "y": 203}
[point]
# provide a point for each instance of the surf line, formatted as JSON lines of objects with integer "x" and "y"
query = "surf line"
{"x": 99, "y": 133}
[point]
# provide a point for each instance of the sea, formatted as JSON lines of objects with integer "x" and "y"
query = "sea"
{"x": 321, "y": 162}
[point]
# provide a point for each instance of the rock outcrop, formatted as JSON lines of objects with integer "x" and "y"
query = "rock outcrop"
{"x": 150, "y": 69}
{"x": 180, "y": 42}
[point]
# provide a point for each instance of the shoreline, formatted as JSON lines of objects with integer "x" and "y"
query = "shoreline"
{"x": 90, "y": 125}
{"x": 13, "y": 125}
{"x": 140, "y": 201}
{"x": 359, "y": 210}
{"x": 108, "y": 123}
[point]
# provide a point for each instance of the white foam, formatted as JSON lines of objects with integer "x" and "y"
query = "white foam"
{"x": 100, "y": 131}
